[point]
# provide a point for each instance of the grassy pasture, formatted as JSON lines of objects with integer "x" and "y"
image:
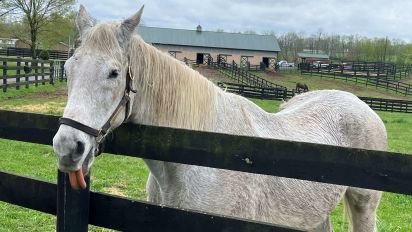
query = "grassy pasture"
{"x": 126, "y": 176}
{"x": 289, "y": 79}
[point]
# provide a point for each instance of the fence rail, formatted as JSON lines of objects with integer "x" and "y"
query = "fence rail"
{"x": 17, "y": 72}
{"x": 26, "y": 52}
{"x": 389, "y": 105}
{"x": 359, "y": 74}
{"x": 314, "y": 162}
{"x": 243, "y": 76}
{"x": 257, "y": 92}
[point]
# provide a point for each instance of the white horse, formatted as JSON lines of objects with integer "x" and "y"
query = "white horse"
{"x": 112, "y": 58}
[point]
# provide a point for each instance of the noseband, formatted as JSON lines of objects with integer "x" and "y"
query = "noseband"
{"x": 100, "y": 134}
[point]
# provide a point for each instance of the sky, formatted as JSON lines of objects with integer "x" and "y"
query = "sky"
{"x": 371, "y": 18}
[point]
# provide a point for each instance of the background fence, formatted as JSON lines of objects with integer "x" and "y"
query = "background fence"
{"x": 379, "y": 75}
{"x": 76, "y": 209}
{"x": 17, "y": 72}
{"x": 389, "y": 105}
{"x": 26, "y": 52}
{"x": 243, "y": 76}
{"x": 257, "y": 92}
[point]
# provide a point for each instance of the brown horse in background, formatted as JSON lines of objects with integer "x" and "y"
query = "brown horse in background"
{"x": 302, "y": 86}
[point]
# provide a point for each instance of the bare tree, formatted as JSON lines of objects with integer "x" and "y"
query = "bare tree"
{"x": 34, "y": 15}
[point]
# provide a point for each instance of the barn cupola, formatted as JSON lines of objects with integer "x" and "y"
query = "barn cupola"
{"x": 199, "y": 28}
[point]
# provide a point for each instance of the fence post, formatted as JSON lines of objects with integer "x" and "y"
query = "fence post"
{"x": 72, "y": 205}
{"x": 27, "y": 74}
{"x": 61, "y": 74}
{"x": 51, "y": 69}
{"x": 36, "y": 71}
{"x": 18, "y": 72}
{"x": 4, "y": 75}
{"x": 42, "y": 73}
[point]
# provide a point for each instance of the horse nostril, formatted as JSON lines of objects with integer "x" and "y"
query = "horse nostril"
{"x": 79, "y": 147}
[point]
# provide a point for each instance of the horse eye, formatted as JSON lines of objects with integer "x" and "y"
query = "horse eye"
{"x": 114, "y": 73}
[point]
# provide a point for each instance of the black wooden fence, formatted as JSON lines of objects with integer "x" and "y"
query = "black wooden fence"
{"x": 76, "y": 209}
{"x": 257, "y": 92}
{"x": 388, "y": 71}
{"x": 243, "y": 76}
{"x": 369, "y": 75}
{"x": 17, "y": 72}
{"x": 26, "y": 52}
{"x": 389, "y": 105}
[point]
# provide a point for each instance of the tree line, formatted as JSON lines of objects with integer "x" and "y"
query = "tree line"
{"x": 340, "y": 47}
{"x": 345, "y": 47}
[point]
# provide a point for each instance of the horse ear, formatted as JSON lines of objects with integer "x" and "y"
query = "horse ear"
{"x": 129, "y": 25}
{"x": 83, "y": 20}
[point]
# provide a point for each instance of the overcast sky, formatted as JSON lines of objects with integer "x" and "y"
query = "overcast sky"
{"x": 372, "y": 18}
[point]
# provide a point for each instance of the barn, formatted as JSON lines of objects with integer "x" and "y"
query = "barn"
{"x": 199, "y": 45}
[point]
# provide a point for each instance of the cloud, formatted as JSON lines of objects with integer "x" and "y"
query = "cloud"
{"x": 372, "y": 18}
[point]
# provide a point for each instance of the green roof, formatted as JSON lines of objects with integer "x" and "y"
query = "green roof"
{"x": 210, "y": 39}
{"x": 311, "y": 55}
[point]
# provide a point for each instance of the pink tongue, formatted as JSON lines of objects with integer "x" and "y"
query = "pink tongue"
{"x": 77, "y": 179}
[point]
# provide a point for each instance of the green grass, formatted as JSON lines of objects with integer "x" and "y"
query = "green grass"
{"x": 13, "y": 93}
{"x": 124, "y": 176}
{"x": 127, "y": 176}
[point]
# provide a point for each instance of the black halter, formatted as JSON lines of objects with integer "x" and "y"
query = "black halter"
{"x": 100, "y": 134}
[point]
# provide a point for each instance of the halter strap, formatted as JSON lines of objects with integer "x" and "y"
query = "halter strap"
{"x": 100, "y": 134}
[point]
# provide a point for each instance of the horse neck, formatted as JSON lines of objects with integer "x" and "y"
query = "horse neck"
{"x": 169, "y": 93}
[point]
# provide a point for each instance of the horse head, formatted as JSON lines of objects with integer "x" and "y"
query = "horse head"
{"x": 99, "y": 93}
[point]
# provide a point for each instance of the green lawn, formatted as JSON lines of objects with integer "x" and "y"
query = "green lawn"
{"x": 126, "y": 176}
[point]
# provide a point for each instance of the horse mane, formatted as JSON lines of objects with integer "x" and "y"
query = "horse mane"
{"x": 169, "y": 93}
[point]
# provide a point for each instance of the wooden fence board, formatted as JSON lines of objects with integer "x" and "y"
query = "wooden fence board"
{"x": 314, "y": 162}
{"x": 120, "y": 213}
{"x": 28, "y": 192}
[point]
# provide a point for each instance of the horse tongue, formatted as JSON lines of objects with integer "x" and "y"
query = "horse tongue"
{"x": 76, "y": 179}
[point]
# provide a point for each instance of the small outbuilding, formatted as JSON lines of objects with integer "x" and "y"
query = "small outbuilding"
{"x": 313, "y": 57}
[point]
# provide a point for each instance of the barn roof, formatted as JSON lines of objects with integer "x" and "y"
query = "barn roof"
{"x": 211, "y": 39}
{"x": 311, "y": 55}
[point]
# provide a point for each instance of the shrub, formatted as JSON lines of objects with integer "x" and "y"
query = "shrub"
{"x": 44, "y": 55}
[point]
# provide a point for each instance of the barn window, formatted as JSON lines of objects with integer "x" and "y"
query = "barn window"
{"x": 244, "y": 61}
{"x": 173, "y": 53}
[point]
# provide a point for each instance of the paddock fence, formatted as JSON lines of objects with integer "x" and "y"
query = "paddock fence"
{"x": 380, "y": 76}
{"x": 20, "y": 72}
{"x": 243, "y": 76}
{"x": 26, "y": 52}
{"x": 381, "y": 104}
{"x": 75, "y": 210}
{"x": 258, "y": 92}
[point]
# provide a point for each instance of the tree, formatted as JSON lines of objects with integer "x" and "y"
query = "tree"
{"x": 405, "y": 55}
{"x": 34, "y": 15}
{"x": 59, "y": 30}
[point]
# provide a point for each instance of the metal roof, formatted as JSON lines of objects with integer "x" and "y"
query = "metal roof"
{"x": 311, "y": 55}
{"x": 210, "y": 39}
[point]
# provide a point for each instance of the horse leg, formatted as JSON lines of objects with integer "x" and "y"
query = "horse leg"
{"x": 153, "y": 190}
{"x": 361, "y": 206}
